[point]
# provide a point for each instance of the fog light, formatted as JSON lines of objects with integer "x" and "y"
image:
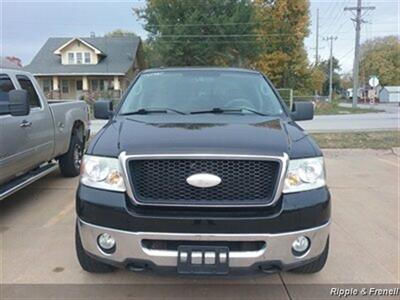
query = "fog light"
{"x": 106, "y": 242}
{"x": 300, "y": 245}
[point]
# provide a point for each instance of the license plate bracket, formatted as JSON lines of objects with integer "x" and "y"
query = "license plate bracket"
{"x": 203, "y": 260}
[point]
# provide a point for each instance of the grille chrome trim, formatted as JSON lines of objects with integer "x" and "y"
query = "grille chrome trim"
{"x": 125, "y": 158}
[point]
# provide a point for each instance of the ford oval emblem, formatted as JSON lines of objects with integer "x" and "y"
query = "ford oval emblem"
{"x": 203, "y": 180}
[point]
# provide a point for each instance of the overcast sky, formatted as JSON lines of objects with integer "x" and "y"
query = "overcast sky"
{"x": 26, "y": 25}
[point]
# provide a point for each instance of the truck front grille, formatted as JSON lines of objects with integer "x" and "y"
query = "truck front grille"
{"x": 244, "y": 182}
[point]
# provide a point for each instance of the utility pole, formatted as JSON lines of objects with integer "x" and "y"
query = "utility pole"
{"x": 316, "y": 48}
{"x": 358, "y": 20}
{"x": 317, "y": 39}
{"x": 331, "y": 39}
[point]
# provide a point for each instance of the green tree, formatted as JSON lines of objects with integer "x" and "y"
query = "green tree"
{"x": 206, "y": 32}
{"x": 120, "y": 33}
{"x": 325, "y": 68}
{"x": 381, "y": 57}
{"x": 283, "y": 27}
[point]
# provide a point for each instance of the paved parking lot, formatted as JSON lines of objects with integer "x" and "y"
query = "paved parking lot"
{"x": 37, "y": 240}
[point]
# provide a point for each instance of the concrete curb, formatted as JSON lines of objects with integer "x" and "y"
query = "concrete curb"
{"x": 360, "y": 152}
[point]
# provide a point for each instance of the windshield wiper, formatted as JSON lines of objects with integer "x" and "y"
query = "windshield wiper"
{"x": 218, "y": 110}
{"x": 145, "y": 111}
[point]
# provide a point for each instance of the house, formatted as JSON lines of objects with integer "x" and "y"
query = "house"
{"x": 389, "y": 94}
{"x": 87, "y": 68}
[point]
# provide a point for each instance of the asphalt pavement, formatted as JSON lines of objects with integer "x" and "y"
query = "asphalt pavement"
{"x": 37, "y": 243}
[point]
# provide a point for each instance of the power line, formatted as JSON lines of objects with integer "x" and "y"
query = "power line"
{"x": 346, "y": 54}
{"x": 337, "y": 17}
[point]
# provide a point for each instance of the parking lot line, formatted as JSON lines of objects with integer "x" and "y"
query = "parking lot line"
{"x": 58, "y": 217}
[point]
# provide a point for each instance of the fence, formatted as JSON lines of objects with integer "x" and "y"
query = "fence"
{"x": 288, "y": 97}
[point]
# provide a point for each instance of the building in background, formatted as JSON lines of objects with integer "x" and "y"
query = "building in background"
{"x": 389, "y": 94}
{"x": 87, "y": 68}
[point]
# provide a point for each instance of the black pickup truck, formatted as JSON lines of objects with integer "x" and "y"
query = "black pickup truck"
{"x": 203, "y": 171}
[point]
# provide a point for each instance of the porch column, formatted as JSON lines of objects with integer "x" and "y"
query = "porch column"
{"x": 117, "y": 88}
{"x": 56, "y": 88}
{"x": 85, "y": 87}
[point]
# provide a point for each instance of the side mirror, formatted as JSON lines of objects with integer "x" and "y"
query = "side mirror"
{"x": 302, "y": 111}
{"x": 103, "y": 109}
{"x": 18, "y": 103}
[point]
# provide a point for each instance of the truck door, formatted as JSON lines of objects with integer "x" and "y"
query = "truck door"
{"x": 14, "y": 149}
{"x": 39, "y": 126}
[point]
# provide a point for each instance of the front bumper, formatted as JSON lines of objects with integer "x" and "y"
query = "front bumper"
{"x": 277, "y": 250}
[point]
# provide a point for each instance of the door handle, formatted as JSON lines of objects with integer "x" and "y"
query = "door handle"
{"x": 25, "y": 123}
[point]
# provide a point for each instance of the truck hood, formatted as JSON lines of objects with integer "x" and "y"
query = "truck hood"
{"x": 204, "y": 134}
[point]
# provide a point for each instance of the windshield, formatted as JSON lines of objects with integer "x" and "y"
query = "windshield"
{"x": 202, "y": 90}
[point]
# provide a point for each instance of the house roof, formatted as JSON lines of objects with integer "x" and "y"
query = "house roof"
{"x": 392, "y": 89}
{"x": 119, "y": 55}
{"x": 97, "y": 51}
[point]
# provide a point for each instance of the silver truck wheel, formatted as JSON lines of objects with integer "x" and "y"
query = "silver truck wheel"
{"x": 70, "y": 162}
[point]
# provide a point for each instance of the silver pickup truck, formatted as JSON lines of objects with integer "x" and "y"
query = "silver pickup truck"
{"x": 35, "y": 133}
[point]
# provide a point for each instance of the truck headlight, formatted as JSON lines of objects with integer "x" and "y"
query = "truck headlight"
{"x": 102, "y": 173}
{"x": 304, "y": 174}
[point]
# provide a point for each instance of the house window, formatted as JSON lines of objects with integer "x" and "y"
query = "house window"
{"x": 95, "y": 84}
{"x": 47, "y": 83}
{"x": 64, "y": 86}
{"x": 78, "y": 57}
{"x": 79, "y": 85}
{"x": 87, "y": 57}
{"x": 71, "y": 58}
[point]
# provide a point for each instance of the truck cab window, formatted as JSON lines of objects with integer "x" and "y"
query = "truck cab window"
{"x": 6, "y": 85}
{"x": 27, "y": 85}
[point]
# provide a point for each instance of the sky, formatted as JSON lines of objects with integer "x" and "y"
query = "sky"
{"x": 27, "y": 24}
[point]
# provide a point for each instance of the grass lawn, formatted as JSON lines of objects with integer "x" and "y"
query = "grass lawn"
{"x": 324, "y": 108}
{"x": 361, "y": 140}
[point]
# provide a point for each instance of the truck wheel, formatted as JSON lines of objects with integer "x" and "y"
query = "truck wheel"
{"x": 316, "y": 265}
{"x": 88, "y": 263}
{"x": 70, "y": 162}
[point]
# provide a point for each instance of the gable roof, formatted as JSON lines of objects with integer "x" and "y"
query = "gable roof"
{"x": 119, "y": 55}
{"x": 97, "y": 51}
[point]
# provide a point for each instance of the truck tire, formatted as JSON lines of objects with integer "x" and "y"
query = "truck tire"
{"x": 70, "y": 162}
{"x": 316, "y": 265}
{"x": 88, "y": 263}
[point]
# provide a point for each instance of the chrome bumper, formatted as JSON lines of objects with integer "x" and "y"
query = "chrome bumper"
{"x": 129, "y": 245}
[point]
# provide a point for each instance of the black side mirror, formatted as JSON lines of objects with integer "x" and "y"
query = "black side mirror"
{"x": 103, "y": 109}
{"x": 302, "y": 111}
{"x": 18, "y": 103}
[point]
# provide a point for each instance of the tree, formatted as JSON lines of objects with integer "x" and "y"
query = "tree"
{"x": 283, "y": 27}
{"x": 325, "y": 68}
{"x": 346, "y": 81}
{"x": 120, "y": 33}
{"x": 207, "y": 32}
{"x": 381, "y": 57}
